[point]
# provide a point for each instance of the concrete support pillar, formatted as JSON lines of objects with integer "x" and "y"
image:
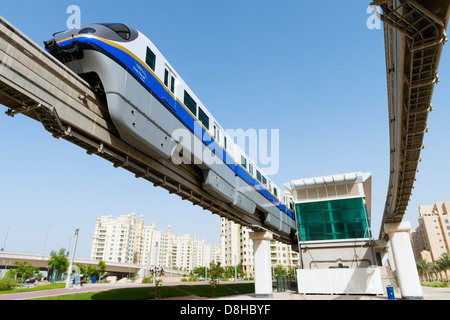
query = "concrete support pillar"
{"x": 405, "y": 263}
{"x": 263, "y": 275}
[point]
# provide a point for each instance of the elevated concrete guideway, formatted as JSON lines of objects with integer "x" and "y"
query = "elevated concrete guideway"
{"x": 415, "y": 33}
{"x": 35, "y": 84}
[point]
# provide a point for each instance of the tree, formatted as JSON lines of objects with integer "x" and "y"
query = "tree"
{"x": 8, "y": 282}
{"x": 424, "y": 268}
{"x": 101, "y": 268}
{"x": 216, "y": 272}
{"x": 444, "y": 263}
{"x": 25, "y": 270}
{"x": 280, "y": 271}
{"x": 157, "y": 274}
{"x": 200, "y": 272}
{"x": 436, "y": 268}
{"x": 58, "y": 261}
{"x": 82, "y": 269}
{"x": 90, "y": 271}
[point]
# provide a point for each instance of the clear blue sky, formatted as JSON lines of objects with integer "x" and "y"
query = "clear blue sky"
{"x": 309, "y": 68}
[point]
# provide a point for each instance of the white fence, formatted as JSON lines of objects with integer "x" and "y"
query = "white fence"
{"x": 340, "y": 281}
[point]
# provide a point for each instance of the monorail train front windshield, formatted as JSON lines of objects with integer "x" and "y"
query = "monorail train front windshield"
{"x": 111, "y": 31}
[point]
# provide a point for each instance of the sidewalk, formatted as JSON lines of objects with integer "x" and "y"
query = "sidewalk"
{"x": 428, "y": 293}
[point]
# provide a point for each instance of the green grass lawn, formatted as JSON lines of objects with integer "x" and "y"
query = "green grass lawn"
{"x": 146, "y": 293}
{"x": 38, "y": 288}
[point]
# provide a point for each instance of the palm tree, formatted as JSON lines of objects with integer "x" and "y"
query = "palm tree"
{"x": 436, "y": 268}
{"x": 444, "y": 263}
{"x": 424, "y": 268}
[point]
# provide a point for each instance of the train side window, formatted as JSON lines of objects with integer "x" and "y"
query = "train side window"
{"x": 168, "y": 75}
{"x": 244, "y": 162}
{"x": 225, "y": 142}
{"x": 264, "y": 181}
{"x": 190, "y": 103}
{"x": 250, "y": 169}
{"x": 258, "y": 176}
{"x": 166, "y": 78}
{"x": 275, "y": 192}
{"x": 150, "y": 59}
{"x": 203, "y": 118}
{"x": 172, "y": 84}
{"x": 217, "y": 133}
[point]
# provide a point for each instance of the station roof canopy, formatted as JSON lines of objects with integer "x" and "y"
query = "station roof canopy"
{"x": 338, "y": 179}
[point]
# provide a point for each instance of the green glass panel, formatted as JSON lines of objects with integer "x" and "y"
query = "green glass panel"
{"x": 351, "y": 203}
{"x": 332, "y": 220}
{"x": 353, "y": 214}
{"x": 310, "y": 207}
{"x": 312, "y": 217}
{"x": 329, "y": 205}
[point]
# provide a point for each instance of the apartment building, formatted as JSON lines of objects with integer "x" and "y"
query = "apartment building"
{"x": 126, "y": 239}
{"x": 237, "y": 247}
{"x": 432, "y": 238}
{"x": 118, "y": 240}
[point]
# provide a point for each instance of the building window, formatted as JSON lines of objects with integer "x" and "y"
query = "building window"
{"x": 151, "y": 59}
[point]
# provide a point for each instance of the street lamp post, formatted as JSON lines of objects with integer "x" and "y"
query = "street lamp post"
{"x": 72, "y": 258}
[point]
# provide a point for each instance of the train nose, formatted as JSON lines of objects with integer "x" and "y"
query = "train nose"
{"x": 72, "y": 50}
{"x": 51, "y": 45}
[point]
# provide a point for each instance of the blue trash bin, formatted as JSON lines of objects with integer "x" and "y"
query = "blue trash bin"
{"x": 390, "y": 292}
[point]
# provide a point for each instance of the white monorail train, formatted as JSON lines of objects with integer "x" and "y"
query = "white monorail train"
{"x": 148, "y": 101}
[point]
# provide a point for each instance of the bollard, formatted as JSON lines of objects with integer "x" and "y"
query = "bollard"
{"x": 390, "y": 292}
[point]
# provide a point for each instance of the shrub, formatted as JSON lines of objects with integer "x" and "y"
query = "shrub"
{"x": 435, "y": 284}
{"x": 8, "y": 283}
{"x": 147, "y": 280}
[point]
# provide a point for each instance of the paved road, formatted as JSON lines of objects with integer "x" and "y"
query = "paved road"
{"x": 57, "y": 292}
{"x": 429, "y": 293}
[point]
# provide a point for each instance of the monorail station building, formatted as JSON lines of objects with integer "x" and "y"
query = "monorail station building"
{"x": 335, "y": 240}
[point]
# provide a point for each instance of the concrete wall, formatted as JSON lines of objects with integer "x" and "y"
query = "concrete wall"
{"x": 335, "y": 254}
{"x": 340, "y": 281}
